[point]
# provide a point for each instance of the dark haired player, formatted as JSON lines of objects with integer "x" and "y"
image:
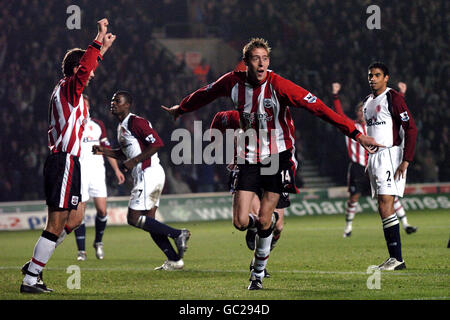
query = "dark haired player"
{"x": 357, "y": 179}
{"x": 67, "y": 117}
{"x": 93, "y": 183}
{"x": 139, "y": 145}
{"x": 263, "y": 99}
{"x": 390, "y": 122}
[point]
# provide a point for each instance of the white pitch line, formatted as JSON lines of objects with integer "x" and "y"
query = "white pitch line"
{"x": 246, "y": 271}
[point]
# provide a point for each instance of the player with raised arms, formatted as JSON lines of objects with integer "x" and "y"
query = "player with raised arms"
{"x": 263, "y": 100}
{"x": 62, "y": 174}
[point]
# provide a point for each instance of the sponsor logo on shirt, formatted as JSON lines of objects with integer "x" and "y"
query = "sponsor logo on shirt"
{"x": 374, "y": 122}
{"x": 250, "y": 117}
{"x": 89, "y": 139}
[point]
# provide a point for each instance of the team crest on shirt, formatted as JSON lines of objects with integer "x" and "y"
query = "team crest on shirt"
{"x": 268, "y": 103}
{"x": 404, "y": 116}
{"x": 74, "y": 200}
{"x": 310, "y": 98}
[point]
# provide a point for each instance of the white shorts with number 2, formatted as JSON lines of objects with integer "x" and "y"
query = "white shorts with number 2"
{"x": 381, "y": 167}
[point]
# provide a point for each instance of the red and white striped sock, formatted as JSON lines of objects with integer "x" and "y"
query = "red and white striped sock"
{"x": 43, "y": 250}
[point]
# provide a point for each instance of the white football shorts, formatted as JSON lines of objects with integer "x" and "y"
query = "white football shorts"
{"x": 93, "y": 182}
{"x": 148, "y": 187}
{"x": 381, "y": 167}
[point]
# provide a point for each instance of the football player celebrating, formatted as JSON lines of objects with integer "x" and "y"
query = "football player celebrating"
{"x": 263, "y": 100}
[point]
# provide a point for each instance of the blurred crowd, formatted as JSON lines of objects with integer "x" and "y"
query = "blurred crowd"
{"x": 308, "y": 48}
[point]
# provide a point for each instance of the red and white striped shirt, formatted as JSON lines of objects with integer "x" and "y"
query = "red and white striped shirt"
{"x": 265, "y": 108}
{"x": 355, "y": 150}
{"x": 67, "y": 110}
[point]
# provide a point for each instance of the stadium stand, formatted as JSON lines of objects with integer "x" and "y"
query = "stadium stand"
{"x": 309, "y": 48}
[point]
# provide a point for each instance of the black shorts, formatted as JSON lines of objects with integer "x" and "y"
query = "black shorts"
{"x": 283, "y": 202}
{"x": 250, "y": 178}
{"x": 357, "y": 180}
{"x": 62, "y": 181}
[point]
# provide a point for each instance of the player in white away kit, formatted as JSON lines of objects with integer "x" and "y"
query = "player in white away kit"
{"x": 357, "y": 180}
{"x": 93, "y": 183}
{"x": 391, "y": 124}
{"x": 139, "y": 144}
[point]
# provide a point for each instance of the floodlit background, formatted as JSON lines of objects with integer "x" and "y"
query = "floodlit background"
{"x": 166, "y": 49}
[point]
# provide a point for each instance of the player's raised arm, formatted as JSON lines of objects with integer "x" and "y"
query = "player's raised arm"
{"x": 335, "y": 88}
{"x": 203, "y": 96}
{"x": 89, "y": 61}
{"x": 102, "y": 28}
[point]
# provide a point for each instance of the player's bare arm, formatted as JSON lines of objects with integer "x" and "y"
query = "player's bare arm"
{"x": 102, "y": 28}
{"x": 105, "y": 38}
{"x": 119, "y": 175}
{"x": 402, "y": 87}
{"x": 107, "y": 42}
{"x": 369, "y": 143}
{"x": 400, "y": 173}
{"x": 146, "y": 154}
{"x": 113, "y": 153}
{"x": 335, "y": 87}
{"x": 173, "y": 111}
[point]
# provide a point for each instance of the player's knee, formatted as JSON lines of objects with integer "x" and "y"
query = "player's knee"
{"x": 240, "y": 224}
{"x": 132, "y": 219}
{"x": 101, "y": 214}
{"x": 264, "y": 222}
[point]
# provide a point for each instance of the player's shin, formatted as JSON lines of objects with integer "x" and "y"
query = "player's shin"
{"x": 80, "y": 236}
{"x": 63, "y": 235}
{"x": 392, "y": 236}
{"x": 100, "y": 226}
{"x": 43, "y": 250}
{"x": 262, "y": 251}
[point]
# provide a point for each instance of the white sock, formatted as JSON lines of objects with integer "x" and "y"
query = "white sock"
{"x": 400, "y": 211}
{"x": 61, "y": 238}
{"x": 43, "y": 250}
{"x": 350, "y": 211}
{"x": 262, "y": 253}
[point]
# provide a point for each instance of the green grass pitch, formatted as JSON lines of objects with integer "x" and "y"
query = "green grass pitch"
{"x": 312, "y": 261}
